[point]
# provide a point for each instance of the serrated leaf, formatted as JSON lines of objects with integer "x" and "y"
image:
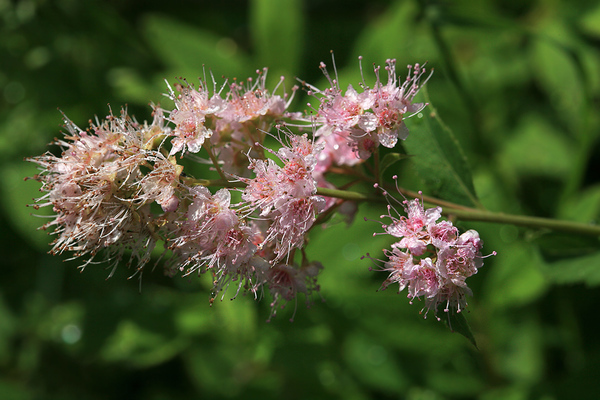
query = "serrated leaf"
{"x": 277, "y": 28}
{"x": 440, "y": 160}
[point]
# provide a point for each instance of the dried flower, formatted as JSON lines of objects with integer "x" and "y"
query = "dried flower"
{"x": 95, "y": 188}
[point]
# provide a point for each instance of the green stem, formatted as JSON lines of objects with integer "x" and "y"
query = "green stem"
{"x": 449, "y": 209}
{"x": 349, "y": 195}
{"x": 525, "y": 221}
{"x": 472, "y": 214}
{"x": 214, "y": 160}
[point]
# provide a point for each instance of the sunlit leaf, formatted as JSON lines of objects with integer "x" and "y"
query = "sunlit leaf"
{"x": 439, "y": 160}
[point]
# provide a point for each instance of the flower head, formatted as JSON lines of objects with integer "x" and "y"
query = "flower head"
{"x": 430, "y": 260}
{"x": 370, "y": 118}
{"x": 94, "y": 188}
{"x": 285, "y": 195}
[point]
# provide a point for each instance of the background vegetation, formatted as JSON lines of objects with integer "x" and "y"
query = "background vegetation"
{"x": 517, "y": 81}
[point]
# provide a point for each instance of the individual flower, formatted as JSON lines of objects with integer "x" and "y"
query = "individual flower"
{"x": 192, "y": 108}
{"x": 413, "y": 229}
{"x": 392, "y": 101}
{"x": 285, "y": 282}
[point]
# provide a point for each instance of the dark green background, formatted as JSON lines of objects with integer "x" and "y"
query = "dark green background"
{"x": 518, "y": 82}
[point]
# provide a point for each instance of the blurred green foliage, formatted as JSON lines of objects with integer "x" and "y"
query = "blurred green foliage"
{"x": 518, "y": 82}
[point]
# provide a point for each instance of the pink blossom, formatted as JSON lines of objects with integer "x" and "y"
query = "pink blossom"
{"x": 413, "y": 229}
{"x": 286, "y": 195}
{"x": 430, "y": 260}
{"x": 160, "y": 183}
{"x": 212, "y": 237}
{"x": 372, "y": 117}
{"x": 253, "y": 100}
{"x": 392, "y": 102}
{"x": 192, "y": 107}
{"x": 249, "y": 111}
{"x": 92, "y": 187}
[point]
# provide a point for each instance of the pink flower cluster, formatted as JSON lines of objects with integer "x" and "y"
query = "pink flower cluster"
{"x": 233, "y": 124}
{"x": 352, "y": 125}
{"x": 431, "y": 260}
{"x": 119, "y": 189}
{"x": 101, "y": 195}
{"x": 252, "y": 243}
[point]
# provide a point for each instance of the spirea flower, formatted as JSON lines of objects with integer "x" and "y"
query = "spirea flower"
{"x": 213, "y": 237}
{"x": 367, "y": 119}
{"x": 250, "y": 111}
{"x": 431, "y": 261}
{"x": 117, "y": 188}
{"x": 192, "y": 109}
{"x": 286, "y": 195}
{"x": 100, "y": 194}
{"x": 252, "y": 101}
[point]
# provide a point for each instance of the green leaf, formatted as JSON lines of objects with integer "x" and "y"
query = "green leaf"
{"x": 457, "y": 322}
{"x": 17, "y": 194}
{"x": 185, "y": 49}
{"x": 440, "y": 160}
{"x": 584, "y": 269}
{"x": 556, "y": 60}
{"x": 553, "y": 153}
{"x": 373, "y": 365}
{"x": 277, "y": 28}
{"x": 389, "y": 160}
{"x": 516, "y": 278}
{"x": 590, "y": 22}
{"x": 140, "y": 347}
{"x": 411, "y": 41}
{"x": 584, "y": 206}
